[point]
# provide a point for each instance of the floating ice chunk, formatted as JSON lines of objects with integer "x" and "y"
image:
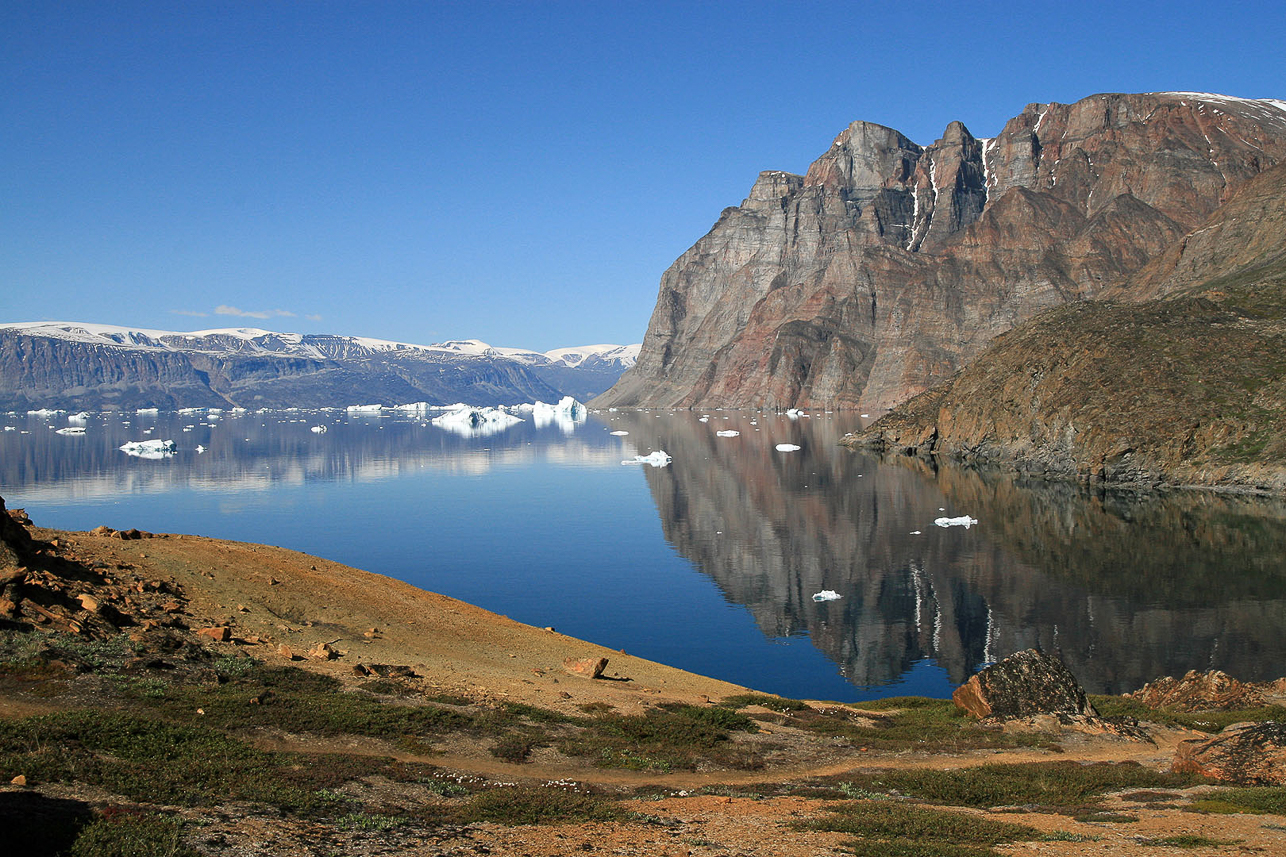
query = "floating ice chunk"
{"x": 703, "y": 419}
{"x": 318, "y": 429}
{"x": 149, "y": 448}
{"x": 476, "y": 422}
{"x": 80, "y": 418}
{"x": 200, "y": 449}
{"x": 10, "y": 428}
{"x": 145, "y": 411}
{"x": 364, "y": 409}
{"x": 795, "y": 413}
{"x": 212, "y": 417}
{"x": 45, "y": 412}
{"x": 915, "y": 532}
{"x": 827, "y": 595}
{"x": 787, "y": 447}
{"x": 566, "y": 414}
{"x": 963, "y": 521}
{"x": 865, "y": 416}
{"x": 72, "y": 430}
{"x": 659, "y": 458}
{"x": 728, "y": 433}
{"x": 619, "y": 433}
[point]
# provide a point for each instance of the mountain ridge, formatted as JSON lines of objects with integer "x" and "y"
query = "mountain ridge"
{"x": 96, "y": 366}
{"x": 889, "y": 265}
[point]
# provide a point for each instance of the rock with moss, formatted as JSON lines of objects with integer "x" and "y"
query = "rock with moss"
{"x": 1022, "y": 685}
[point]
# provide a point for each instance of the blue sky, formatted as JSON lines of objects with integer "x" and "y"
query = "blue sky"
{"x": 520, "y": 173}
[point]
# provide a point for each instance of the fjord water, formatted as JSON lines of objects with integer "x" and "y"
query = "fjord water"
{"x": 710, "y": 563}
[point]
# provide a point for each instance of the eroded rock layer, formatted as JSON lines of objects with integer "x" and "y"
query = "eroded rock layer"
{"x": 888, "y": 265}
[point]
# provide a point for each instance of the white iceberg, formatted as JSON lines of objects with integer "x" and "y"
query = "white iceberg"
{"x": 45, "y": 412}
{"x": 145, "y": 411}
{"x": 10, "y": 428}
{"x": 795, "y": 413}
{"x": 566, "y": 414}
{"x": 827, "y": 595}
{"x": 659, "y": 458}
{"x": 727, "y": 433}
{"x": 962, "y": 521}
{"x": 80, "y": 418}
{"x": 364, "y": 409}
{"x": 149, "y": 448}
{"x": 619, "y": 433}
{"x": 476, "y": 422}
{"x": 318, "y": 429}
{"x": 72, "y": 430}
{"x": 787, "y": 447}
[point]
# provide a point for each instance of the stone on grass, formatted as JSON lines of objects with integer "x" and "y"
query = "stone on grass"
{"x": 588, "y": 667}
{"x": 1251, "y": 754}
{"x": 1022, "y": 685}
{"x": 1212, "y": 690}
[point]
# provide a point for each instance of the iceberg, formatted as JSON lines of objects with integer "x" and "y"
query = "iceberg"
{"x": 82, "y": 418}
{"x": 660, "y": 458}
{"x": 147, "y": 411}
{"x": 476, "y": 422}
{"x": 364, "y": 409}
{"x": 566, "y": 414}
{"x": 727, "y": 433}
{"x": 963, "y": 521}
{"x": 619, "y": 433}
{"x": 787, "y": 447}
{"x": 827, "y": 595}
{"x": 45, "y": 412}
{"x": 318, "y": 429}
{"x": 795, "y": 413}
{"x": 149, "y": 448}
{"x": 72, "y": 430}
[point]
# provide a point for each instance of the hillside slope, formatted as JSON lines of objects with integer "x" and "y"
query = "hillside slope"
{"x": 1186, "y": 389}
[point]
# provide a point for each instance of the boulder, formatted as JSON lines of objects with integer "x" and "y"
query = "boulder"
{"x": 322, "y": 652}
{"x": 588, "y": 667}
{"x": 1022, "y": 685}
{"x": 1212, "y": 690}
{"x": 219, "y": 633}
{"x": 1252, "y": 754}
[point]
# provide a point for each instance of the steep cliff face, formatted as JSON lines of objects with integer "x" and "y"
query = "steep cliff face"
{"x": 1189, "y": 388}
{"x": 889, "y": 265}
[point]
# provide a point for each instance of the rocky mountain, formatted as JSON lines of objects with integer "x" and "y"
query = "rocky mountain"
{"x": 1186, "y": 389}
{"x": 87, "y": 366}
{"x": 889, "y": 265}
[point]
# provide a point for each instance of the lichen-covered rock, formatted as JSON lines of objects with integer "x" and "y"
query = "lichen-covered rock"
{"x": 1212, "y": 690}
{"x": 1244, "y": 753}
{"x": 1022, "y": 685}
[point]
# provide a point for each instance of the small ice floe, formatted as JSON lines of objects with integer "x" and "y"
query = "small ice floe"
{"x": 147, "y": 411}
{"x": 476, "y": 422}
{"x": 865, "y": 416}
{"x": 962, "y": 521}
{"x": 915, "y": 532}
{"x": 787, "y": 447}
{"x": 364, "y": 409}
{"x": 45, "y": 412}
{"x": 149, "y": 448}
{"x": 10, "y": 428}
{"x": 619, "y": 433}
{"x": 200, "y": 449}
{"x": 827, "y": 595}
{"x": 704, "y": 419}
{"x": 72, "y": 430}
{"x": 794, "y": 413}
{"x": 728, "y": 433}
{"x": 79, "y": 419}
{"x": 213, "y": 417}
{"x": 659, "y": 458}
{"x": 318, "y": 429}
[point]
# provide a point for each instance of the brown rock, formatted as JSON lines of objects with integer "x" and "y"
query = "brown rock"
{"x": 8, "y": 609}
{"x": 102, "y": 530}
{"x": 1022, "y": 685}
{"x": 588, "y": 667}
{"x": 220, "y": 633}
{"x": 20, "y": 780}
{"x": 1199, "y": 691}
{"x": 88, "y": 602}
{"x": 286, "y": 652}
{"x": 1243, "y": 753}
{"x": 322, "y": 652}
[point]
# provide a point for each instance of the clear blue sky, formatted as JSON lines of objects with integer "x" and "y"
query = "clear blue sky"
{"x": 520, "y": 173}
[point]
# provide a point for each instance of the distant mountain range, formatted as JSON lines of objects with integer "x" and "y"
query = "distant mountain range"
{"x": 83, "y": 366}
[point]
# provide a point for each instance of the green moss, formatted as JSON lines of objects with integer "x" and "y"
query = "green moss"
{"x": 517, "y": 806}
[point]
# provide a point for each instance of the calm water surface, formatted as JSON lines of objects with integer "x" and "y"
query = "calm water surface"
{"x": 711, "y": 563}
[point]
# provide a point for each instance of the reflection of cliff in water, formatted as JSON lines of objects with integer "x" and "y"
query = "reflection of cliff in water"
{"x": 1127, "y": 589}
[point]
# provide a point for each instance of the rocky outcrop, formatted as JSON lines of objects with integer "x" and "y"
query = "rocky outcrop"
{"x": 1252, "y": 754}
{"x": 1212, "y": 690}
{"x": 1185, "y": 389}
{"x": 1024, "y": 684}
{"x": 890, "y": 265}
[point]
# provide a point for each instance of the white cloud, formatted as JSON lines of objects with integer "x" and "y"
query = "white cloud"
{"x": 224, "y": 309}
{"x": 191, "y": 312}
{"x": 313, "y": 317}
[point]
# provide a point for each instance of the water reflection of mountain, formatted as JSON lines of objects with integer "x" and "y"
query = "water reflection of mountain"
{"x": 1127, "y": 588}
{"x": 259, "y": 451}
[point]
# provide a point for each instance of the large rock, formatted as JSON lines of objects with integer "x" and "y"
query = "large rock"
{"x": 889, "y": 265}
{"x": 15, "y": 541}
{"x": 1022, "y": 685}
{"x": 1244, "y": 753}
{"x": 1212, "y": 690}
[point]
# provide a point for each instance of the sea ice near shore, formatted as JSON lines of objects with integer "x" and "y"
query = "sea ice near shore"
{"x": 962, "y": 521}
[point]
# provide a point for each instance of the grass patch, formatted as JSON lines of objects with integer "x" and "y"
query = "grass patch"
{"x": 1190, "y": 840}
{"x": 1051, "y": 784}
{"x": 1255, "y": 801}
{"x": 516, "y": 748}
{"x": 905, "y": 723}
{"x": 658, "y": 740}
{"x": 1205, "y": 721}
{"x": 899, "y": 828}
{"x": 119, "y": 833}
{"x": 763, "y": 700}
{"x": 719, "y": 718}
{"x": 515, "y": 806}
